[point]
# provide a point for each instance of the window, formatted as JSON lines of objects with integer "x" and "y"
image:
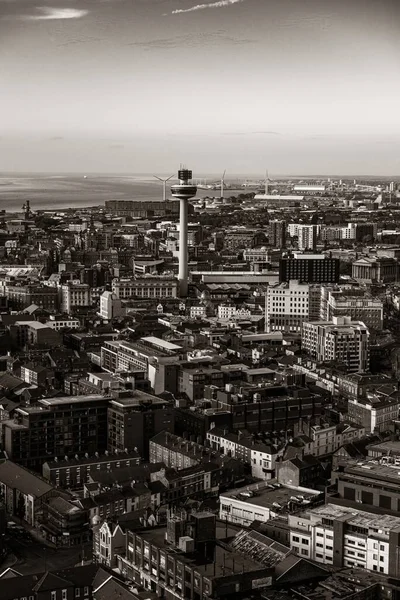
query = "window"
{"x": 53, "y": 595}
{"x": 296, "y": 539}
{"x": 382, "y": 547}
{"x": 64, "y": 594}
{"x": 86, "y": 591}
{"x": 304, "y": 551}
{"x": 381, "y": 559}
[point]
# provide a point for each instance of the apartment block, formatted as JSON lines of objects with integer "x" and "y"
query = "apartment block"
{"x": 56, "y": 427}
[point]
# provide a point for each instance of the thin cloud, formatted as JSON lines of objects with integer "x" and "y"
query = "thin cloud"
{"x": 48, "y": 13}
{"x": 252, "y": 133}
{"x": 219, "y": 4}
{"x": 191, "y": 40}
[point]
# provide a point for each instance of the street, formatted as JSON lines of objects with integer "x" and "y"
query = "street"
{"x": 34, "y": 557}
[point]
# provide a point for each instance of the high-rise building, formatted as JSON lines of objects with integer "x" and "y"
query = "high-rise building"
{"x": 287, "y": 305}
{"x": 309, "y": 268}
{"x": 277, "y": 233}
{"x": 307, "y": 237}
{"x": 183, "y": 191}
{"x": 343, "y": 341}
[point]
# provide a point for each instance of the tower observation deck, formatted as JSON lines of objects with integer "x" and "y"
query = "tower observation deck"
{"x": 183, "y": 191}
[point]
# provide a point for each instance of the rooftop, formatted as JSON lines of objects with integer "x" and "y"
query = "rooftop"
{"x": 272, "y": 495}
{"x": 380, "y": 523}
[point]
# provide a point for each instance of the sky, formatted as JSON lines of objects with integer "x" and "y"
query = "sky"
{"x": 136, "y": 86}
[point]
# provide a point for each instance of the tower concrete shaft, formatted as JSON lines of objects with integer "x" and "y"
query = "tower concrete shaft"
{"x": 183, "y": 273}
{"x": 183, "y": 191}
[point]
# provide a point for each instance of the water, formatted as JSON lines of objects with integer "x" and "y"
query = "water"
{"x": 49, "y": 192}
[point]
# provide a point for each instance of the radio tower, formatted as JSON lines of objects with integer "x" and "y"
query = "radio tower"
{"x": 184, "y": 190}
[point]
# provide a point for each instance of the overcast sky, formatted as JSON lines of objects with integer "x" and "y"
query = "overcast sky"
{"x": 298, "y": 86}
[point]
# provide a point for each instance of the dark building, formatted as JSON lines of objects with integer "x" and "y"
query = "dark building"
{"x": 311, "y": 269}
{"x": 75, "y": 472}
{"x": 373, "y": 483}
{"x": 56, "y": 427}
{"x": 67, "y": 584}
{"x": 277, "y": 233}
{"x": 134, "y": 417}
{"x": 137, "y": 208}
{"x": 22, "y": 296}
{"x": 187, "y": 560}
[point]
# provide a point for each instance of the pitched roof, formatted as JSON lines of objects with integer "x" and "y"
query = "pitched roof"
{"x": 16, "y": 477}
{"x": 50, "y": 581}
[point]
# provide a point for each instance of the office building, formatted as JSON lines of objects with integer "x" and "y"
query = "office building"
{"x": 288, "y": 305}
{"x": 309, "y": 268}
{"x": 343, "y": 342}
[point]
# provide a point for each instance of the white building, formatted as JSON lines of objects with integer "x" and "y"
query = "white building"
{"x": 198, "y": 311}
{"x": 226, "y": 311}
{"x": 344, "y": 537}
{"x": 307, "y": 237}
{"x": 110, "y": 306}
{"x": 58, "y": 323}
{"x": 344, "y": 341}
{"x": 260, "y": 455}
{"x": 262, "y": 502}
{"x": 74, "y": 294}
{"x": 287, "y": 305}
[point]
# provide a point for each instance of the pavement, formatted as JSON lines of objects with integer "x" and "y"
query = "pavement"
{"x": 28, "y": 555}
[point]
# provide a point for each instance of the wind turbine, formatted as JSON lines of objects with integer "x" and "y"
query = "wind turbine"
{"x": 266, "y": 183}
{"x": 223, "y": 184}
{"x": 164, "y": 182}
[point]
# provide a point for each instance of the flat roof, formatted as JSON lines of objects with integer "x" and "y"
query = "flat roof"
{"x": 266, "y": 496}
{"x": 358, "y": 517}
{"x": 226, "y": 560}
{"x": 161, "y": 343}
{"x": 72, "y": 399}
